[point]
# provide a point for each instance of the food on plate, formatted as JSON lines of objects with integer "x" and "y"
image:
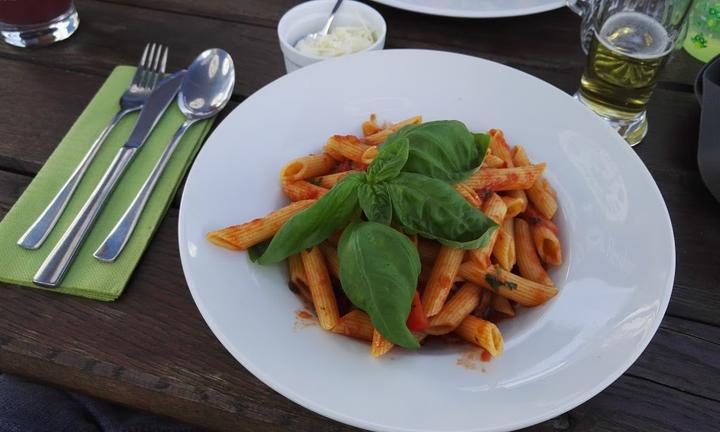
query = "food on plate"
{"x": 412, "y": 230}
{"x": 341, "y": 40}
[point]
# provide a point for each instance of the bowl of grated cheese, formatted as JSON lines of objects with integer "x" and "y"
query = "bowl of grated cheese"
{"x": 357, "y": 27}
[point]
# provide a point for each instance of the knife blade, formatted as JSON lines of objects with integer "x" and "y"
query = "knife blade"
{"x": 157, "y": 103}
{"x": 53, "y": 269}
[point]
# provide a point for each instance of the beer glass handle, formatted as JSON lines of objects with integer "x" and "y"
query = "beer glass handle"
{"x": 586, "y": 9}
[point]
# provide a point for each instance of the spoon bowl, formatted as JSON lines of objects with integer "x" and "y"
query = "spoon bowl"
{"x": 208, "y": 84}
{"x": 206, "y": 89}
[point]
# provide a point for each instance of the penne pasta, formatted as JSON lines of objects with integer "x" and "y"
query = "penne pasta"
{"x": 298, "y": 279}
{"x": 469, "y": 194}
{"x": 441, "y": 279}
{"x": 321, "y": 289}
{"x": 549, "y": 189}
{"x": 460, "y": 305}
{"x": 299, "y": 190}
{"x": 516, "y": 202}
{"x": 547, "y": 245}
{"x": 331, "y": 259}
{"x": 481, "y": 333}
{"x": 502, "y": 305}
{"x": 307, "y": 167}
{"x": 495, "y": 209}
{"x": 355, "y": 324}
{"x": 504, "y": 249}
{"x": 297, "y": 270}
{"x": 513, "y": 287}
{"x": 456, "y": 291}
{"x": 346, "y": 146}
{"x": 379, "y": 345}
{"x": 370, "y": 126}
{"x": 330, "y": 180}
{"x": 527, "y": 258}
{"x": 534, "y": 218}
{"x": 499, "y": 146}
{"x": 369, "y": 155}
{"x": 543, "y": 200}
{"x": 502, "y": 179}
{"x": 483, "y": 307}
{"x": 492, "y": 161}
{"x": 241, "y": 237}
{"x": 380, "y": 137}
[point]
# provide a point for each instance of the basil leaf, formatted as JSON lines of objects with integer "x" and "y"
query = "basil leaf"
{"x": 389, "y": 161}
{"x": 375, "y": 202}
{"x": 256, "y": 251}
{"x": 317, "y": 222}
{"x": 433, "y": 209}
{"x": 482, "y": 140}
{"x": 444, "y": 150}
{"x": 379, "y": 269}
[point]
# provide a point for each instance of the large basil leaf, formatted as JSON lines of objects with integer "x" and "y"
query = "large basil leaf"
{"x": 375, "y": 202}
{"x": 389, "y": 161}
{"x": 444, "y": 150}
{"x": 433, "y": 209}
{"x": 379, "y": 269}
{"x": 317, "y": 222}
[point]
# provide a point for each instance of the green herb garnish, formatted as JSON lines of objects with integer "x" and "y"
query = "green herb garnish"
{"x": 407, "y": 184}
{"x": 495, "y": 283}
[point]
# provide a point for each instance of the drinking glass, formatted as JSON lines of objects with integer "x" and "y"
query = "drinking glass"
{"x": 627, "y": 42}
{"x": 26, "y": 23}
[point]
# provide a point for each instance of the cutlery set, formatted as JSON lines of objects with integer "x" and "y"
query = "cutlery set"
{"x": 202, "y": 91}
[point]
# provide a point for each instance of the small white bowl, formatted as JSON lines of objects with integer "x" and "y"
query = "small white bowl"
{"x": 310, "y": 16}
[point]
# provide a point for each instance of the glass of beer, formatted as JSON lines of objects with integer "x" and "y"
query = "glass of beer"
{"x": 627, "y": 42}
{"x": 26, "y": 23}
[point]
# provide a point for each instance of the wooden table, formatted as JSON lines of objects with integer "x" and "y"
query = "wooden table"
{"x": 152, "y": 350}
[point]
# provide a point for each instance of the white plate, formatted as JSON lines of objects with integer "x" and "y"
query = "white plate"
{"x": 614, "y": 285}
{"x": 476, "y": 8}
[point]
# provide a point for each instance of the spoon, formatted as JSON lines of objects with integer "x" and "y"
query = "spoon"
{"x": 326, "y": 28}
{"x": 204, "y": 92}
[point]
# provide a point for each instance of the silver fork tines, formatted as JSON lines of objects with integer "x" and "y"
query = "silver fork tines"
{"x": 149, "y": 71}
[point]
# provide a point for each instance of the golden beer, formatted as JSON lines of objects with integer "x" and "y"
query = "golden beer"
{"x": 624, "y": 62}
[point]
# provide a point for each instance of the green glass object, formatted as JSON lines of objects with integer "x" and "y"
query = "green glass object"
{"x": 703, "y": 35}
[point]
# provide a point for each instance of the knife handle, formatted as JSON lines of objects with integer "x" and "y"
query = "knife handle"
{"x": 43, "y": 225}
{"x": 55, "y": 266}
{"x": 115, "y": 242}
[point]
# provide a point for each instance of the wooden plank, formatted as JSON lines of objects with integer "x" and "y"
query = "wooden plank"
{"x": 637, "y": 405}
{"x": 694, "y": 214}
{"x": 112, "y": 34}
{"x": 39, "y": 105}
{"x": 683, "y": 355}
{"x": 106, "y": 350}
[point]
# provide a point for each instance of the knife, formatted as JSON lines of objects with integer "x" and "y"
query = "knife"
{"x": 53, "y": 269}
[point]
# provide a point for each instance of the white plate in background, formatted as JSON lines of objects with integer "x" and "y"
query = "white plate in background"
{"x": 476, "y": 8}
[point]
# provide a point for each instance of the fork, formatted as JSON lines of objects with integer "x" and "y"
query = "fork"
{"x": 149, "y": 71}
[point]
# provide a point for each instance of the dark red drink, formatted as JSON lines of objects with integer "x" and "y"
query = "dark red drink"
{"x": 27, "y": 12}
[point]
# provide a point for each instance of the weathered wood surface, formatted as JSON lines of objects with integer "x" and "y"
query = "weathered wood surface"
{"x": 152, "y": 350}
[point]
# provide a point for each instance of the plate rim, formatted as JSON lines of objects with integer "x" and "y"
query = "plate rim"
{"x": 368, "y": 424}
{"x": 427, "y": 10}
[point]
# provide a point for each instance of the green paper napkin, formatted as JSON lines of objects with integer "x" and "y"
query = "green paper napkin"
{"x": 88, "y": 277}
